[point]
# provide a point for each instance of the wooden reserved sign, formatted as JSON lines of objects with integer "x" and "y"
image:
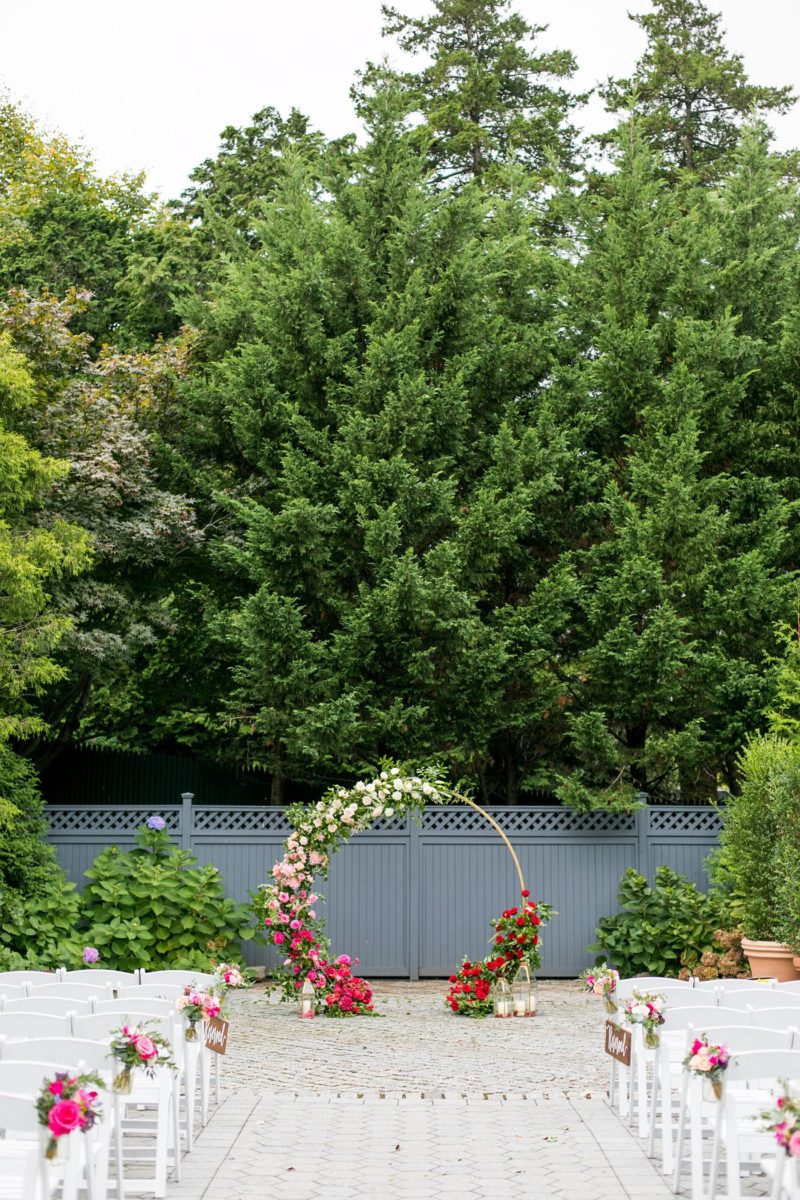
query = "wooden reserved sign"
{"x": 618, "y": 1043}
{"x": 217, "y": 1035}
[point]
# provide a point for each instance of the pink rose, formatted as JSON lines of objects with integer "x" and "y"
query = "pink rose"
{"x": 64, "y": 1117}
{"x": 279, "y": 938}
{"x": 283, "y": 897}
{"x": 56, "y": 1087}
{"x": 294, "y": 925}
{"x": 145, "y": 1048}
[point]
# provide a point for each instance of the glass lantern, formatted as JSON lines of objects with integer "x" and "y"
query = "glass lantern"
{"x": 307, "y": 999}
{"x": 502, "y": 999}
{"x": 524, "y": 993}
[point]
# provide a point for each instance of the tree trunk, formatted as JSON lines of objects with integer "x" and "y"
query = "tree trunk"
{"x": 276, "y": 789}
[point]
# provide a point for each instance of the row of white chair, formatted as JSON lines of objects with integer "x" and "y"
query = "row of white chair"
{"x": 80, "y": 1015}
{"x": 761, "y": 1027}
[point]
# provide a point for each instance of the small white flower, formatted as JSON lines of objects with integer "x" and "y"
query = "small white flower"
{"x": 320, "y": 806}
{"x": 395, "y": 770}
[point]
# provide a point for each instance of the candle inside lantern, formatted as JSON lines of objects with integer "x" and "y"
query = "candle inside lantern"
{"x": 307, "y": 999}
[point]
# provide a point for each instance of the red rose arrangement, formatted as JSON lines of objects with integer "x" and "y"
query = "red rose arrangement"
{"x": 66, "y": 1103}
{"x": 516, "y": 939}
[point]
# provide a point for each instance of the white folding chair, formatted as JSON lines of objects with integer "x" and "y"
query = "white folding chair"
{"x": 94, "y": 1055}
{"x": 18, "y": 1116}
{"x": 20, "y": 1175}
{"x": 760, "y": 999}
{"x": 11, "y": 991}
{"x": 736, "y": 985}
{"x": 48, "y": 1004}
{"x": 163, "y": 1092}
{"x": 17, "y": 977}
{"x": 27, "y": 1024}
{"x": 101, "y": 977}
{"x": 668, "y": 1064}
{"x": 198, "y": 979}
{"x": 151, "y": 991}
{"x": 739, "y": 1124}
{"x": 674, "y": 996}
{"x": 792, "y": 986}
{"x": 70, "y": 991}
{"x": 701, "y": 1112}
{"x": 785, "y": 1176}
{"x": 148, "y": 1006}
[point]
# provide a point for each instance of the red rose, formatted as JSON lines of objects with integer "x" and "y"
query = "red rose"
{"x": 525, "y": 892}
{"x": 452, "y": 979}
{"x": 536, "y": 920}
{"x": 498, "y": 941}
{"x": 520, "y": 920}
{"x": 512, "y": 912}
{"x": 535, "y": 939}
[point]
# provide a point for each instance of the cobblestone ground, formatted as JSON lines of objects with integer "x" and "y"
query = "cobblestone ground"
{"x": 419, "y": 1105}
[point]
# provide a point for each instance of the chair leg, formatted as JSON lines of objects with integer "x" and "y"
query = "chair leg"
{"x": 651, "y": 1148}
{"x": 676, "y": 1179}
{"x": 696, "y": 1142}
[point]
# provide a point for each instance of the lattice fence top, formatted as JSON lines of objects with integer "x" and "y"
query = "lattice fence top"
{"x": 113, "y": 821}
{"x": 537, "y": 821}
{"x": 684, "y": 820}
{"x": 240, "y": 820}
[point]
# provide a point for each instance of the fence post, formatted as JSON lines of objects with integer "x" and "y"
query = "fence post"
{"x": 186, "y": 820}
{"x": 413, "y": 896}
{"x": 643, "y": 830}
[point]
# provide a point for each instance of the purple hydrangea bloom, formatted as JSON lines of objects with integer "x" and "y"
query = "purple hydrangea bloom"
{"x": 155, "y": 822}
{"x": 90, "y": 955}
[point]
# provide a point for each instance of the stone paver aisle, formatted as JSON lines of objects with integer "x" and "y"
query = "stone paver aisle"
{"x": 418, "y": 1105}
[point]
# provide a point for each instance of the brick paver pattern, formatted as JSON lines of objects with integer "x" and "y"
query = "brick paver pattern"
{"x": 419, "y": 1104}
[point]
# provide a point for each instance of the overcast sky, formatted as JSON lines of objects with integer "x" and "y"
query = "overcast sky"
{"x": 149, "y": 85}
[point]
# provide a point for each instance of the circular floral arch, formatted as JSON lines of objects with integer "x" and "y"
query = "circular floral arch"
{"x": 288, "y": 902}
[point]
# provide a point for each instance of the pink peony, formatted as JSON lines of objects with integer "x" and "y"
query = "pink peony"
{"x": 64, "y": 1117}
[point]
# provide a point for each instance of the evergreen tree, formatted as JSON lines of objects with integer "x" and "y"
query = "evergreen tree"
{"x": 691, "y": 96}
{"x": 490, "y": 96}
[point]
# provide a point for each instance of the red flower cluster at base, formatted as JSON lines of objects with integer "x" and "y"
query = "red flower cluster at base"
{"x": 516, "y": 939}
{"x": 351, "y": 996}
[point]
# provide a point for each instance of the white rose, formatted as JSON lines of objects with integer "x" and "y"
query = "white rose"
{"x": 370, "y": 787}
{"x": 397, "y": 796}
{"x": 389, "y": 812}
{"x": 426, "y": 789}
{"x": 384, "y": 775}
{"x": 303, "y": 841}
{"x": 395, "y": 770}
{"x": 407, "y": 785}
{"x": 320, "y": 806}
{"x": 331, "y": 829}
{"x": 377, "y": 810}
{"x": 360, "y": 787}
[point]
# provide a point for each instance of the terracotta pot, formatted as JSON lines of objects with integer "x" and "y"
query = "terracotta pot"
{"x": 770, "y": 960}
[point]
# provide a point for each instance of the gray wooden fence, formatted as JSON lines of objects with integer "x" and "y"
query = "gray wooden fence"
{"x": 410, "y": 899}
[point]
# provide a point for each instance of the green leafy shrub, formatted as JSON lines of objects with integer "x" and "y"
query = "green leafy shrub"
{"x": 156, "y": 905}
{"x": 42, "y": 929}
{"x": 27, "y": 863}
{"x": 660, "y": 928}
{"x": 787, "y": 857}
{"x": 750, "y": 833}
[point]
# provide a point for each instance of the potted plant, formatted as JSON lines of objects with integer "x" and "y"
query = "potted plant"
{"x": 752, "y": 824}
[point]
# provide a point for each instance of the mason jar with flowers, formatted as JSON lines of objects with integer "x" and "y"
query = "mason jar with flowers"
{"x": 645, "y": 1009}
{"x": 138, "y": 1047}
{"x": 196, "y": 1006}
